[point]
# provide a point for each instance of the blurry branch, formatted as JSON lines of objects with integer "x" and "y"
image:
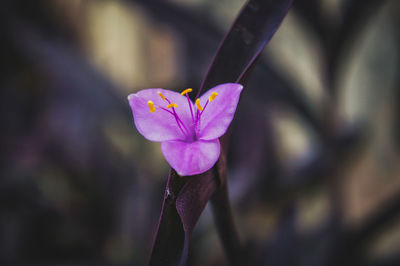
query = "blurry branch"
{"x": 323, "y": 167}
{"x": 355, "y": 17}
{"x": 335, "y": 36}
{"x": 350, "y": 243}
{"x": 282, "y": 248}
{"x": 310, "y": 11}
{"x": 356, "y": 240}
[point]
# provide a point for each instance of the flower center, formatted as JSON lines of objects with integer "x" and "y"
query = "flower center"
{"x": 196, "y": 118}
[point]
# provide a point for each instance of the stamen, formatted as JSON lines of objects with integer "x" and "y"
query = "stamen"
{"x": 161, "y": 95}
{"x": 205, "y": 106}
{"x": 151, "y": 106}
{"x": 212, "y": 96}
{"x": 199, "y": 105}
{"x": 172, "y": 105}
{"x": 189, "y": 102}
{"x": 178, "y": 120}
{"x": 186, "y": 91}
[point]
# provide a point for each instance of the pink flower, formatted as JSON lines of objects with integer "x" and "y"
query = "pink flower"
{"x": 188, "y": 131}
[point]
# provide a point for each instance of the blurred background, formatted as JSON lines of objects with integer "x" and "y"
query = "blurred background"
{"x": 314, "y": 159}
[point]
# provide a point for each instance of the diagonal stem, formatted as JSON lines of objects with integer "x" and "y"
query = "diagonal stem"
{"x": 225, "y": 224}
{"x": 190, "y": 107}
{"x": 227, "y": 232}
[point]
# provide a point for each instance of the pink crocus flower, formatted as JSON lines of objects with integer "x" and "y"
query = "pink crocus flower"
{"x": 188, "y": 131}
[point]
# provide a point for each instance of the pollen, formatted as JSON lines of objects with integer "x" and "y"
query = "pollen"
{"x": 172, "y": 105}
{"x": 161, "y": 95}
{"x": 212, "y": 96}
{"x": 186, "y": 91}
{"x": 151, "y": 106}
{"x": 199, "y": 105}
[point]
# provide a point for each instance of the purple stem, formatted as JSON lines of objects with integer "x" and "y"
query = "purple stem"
{"x": 198, "y": 115}
{"x": 167, "y": 110}
{"x": 177, "y": 119}
{"x": 196, "y": 125}
{"x": 204, "y": 108}
{"x": 190, "y": 106}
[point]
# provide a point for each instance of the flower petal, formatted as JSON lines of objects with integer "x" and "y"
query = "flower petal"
{"x": 219, "y": 113}
{"x": 160, "y": 125}
{"x": 191, "y": 158}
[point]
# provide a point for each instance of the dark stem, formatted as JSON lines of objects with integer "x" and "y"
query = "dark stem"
{"x": 226, "y": 227}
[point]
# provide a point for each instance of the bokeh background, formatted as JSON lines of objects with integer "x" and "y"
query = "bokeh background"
{"x": 314, "y": 148}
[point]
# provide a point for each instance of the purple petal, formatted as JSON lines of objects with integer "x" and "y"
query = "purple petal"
{"x": 219, "y": 113}
{"x": 160, "y": 125}
{"x": 191, "y": 158}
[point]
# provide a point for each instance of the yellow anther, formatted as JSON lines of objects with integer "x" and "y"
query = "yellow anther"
{"x": 186, "y": 91}
{"x": 198, "y": 105}
{"x": 161, "y": 95}
{"x": 212, "y": 96}
{"x": 172, "y": 105}
{"x": 151, "y": 106}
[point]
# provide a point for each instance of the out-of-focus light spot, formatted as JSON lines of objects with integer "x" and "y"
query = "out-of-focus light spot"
{"x": 369, "y": 69}
{"x": 295, "y": 141}
{"x": 296, "y": 53}
{"x": 115, "y": 39}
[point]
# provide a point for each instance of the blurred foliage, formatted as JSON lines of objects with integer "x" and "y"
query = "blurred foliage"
{"x": 80, "y": 185}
